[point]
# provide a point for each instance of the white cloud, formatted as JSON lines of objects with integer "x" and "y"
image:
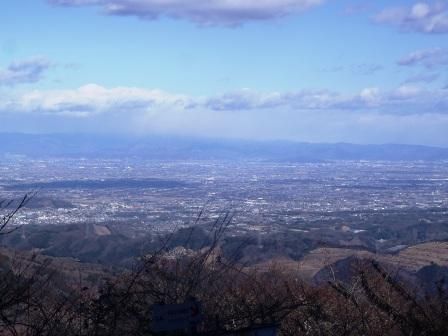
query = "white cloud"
{"x": 406, "y": 92}
{"x": 424, "y": 17}
{"x": 93, "y": 99}
{"x": 210, "y": 12}
{"x": 370, "y": 95}
{"x": 420, "y": 11}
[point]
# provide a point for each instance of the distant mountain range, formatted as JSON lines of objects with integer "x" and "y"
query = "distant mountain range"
{"x": 189, "y": 148}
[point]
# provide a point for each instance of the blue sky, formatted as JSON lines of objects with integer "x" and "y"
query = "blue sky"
{"x": 305, "y": 70}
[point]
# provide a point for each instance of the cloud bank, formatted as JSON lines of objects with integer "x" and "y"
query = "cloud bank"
{"x": 93, "y": 99}
{"x": 423, "y": 17}
{"x": 25, "y": 71}
{"x": 210, "y": 12}
{"x": 408, "y": 114}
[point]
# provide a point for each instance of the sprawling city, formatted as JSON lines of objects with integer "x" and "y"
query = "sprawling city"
{"x": 378, "y": 206}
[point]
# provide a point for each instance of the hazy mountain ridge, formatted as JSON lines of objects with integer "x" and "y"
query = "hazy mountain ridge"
{"x": 182, "y": 148}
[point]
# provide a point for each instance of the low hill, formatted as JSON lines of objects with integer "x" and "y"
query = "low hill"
{"x": 411, "y": 259}
{"x": 64, "y": 271}
{"x": 89, "y": 243}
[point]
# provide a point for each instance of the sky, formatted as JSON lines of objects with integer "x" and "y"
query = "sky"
{"x": 303, "y": 70}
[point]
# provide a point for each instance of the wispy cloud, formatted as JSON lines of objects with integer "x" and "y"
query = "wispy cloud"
{"x": 366, "y": 69}
{"x": 25, "y": 71}
{"x": 422, "y": 78}
{"x": 363, "y": 69}
{"x": 211, "y": 12}
{"x": 430, "y": 58}
{"x": 423, "y": 17}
